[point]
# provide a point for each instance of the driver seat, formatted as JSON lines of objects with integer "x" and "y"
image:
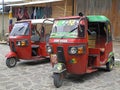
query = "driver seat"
{"x": 35, "y": 38}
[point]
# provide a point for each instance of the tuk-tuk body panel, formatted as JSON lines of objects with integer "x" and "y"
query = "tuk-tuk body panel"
{"x": 80, "y": 45}
{"x": 99, "y": 53}
{"x": 21, "y": 51}
{"x": 76, "y": 64}
{"x": 42, "y": 49}
{"x": 31, "y": 31}
{"x": 108, "y": 49}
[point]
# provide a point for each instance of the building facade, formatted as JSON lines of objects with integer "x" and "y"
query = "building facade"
{"x": 109, "y": 8}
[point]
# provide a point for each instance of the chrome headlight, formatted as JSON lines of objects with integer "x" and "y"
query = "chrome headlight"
{"x": 49, "y": 49}
{"x": 72, "y": 50}
{"x": 22, "y": 43}
{"x": 76, "y": 49}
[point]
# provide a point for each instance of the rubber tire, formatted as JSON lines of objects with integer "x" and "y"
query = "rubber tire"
{"x": 58, "y": 80}
{"x": 110, "y": 64}
{"x": 9, "y": 64}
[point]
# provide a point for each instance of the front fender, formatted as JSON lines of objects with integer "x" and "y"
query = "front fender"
{"x": 111, "y": 55}
{"x": 11, "y": 54}
{"x": 59, "y": 68}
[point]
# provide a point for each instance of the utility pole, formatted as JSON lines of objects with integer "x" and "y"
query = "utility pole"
{"x": 2, "y": 18}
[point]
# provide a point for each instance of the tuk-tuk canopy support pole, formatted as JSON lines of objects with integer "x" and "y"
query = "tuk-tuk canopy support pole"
{"x": 2, "y": 18}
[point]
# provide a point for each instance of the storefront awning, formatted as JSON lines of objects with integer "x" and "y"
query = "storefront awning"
{"x": 33, "y": 3}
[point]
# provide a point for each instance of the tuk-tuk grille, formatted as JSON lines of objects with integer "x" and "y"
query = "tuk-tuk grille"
{"x": 60, "y": 54}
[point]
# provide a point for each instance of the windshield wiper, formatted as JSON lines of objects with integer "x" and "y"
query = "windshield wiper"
{"x": 21, "y": 28}
{"x": 73, "y": 30}
{"x": 15, "y": 33}
{"x": 69, "y": 32}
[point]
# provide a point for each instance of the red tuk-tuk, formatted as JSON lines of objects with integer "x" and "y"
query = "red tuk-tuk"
{"x": 80, "y": 45}
{"x": 28, "y": 40}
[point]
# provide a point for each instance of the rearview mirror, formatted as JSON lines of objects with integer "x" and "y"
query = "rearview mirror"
{"x": 93, "y": 33}
{"x": 81, "y": 30}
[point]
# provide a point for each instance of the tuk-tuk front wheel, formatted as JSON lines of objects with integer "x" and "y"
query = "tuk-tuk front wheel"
{"x": 11, "y": 62}
{"x": 58, "y": 79}
{"x": 110, "y": 64}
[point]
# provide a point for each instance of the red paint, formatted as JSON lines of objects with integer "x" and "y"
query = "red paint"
{"x": 25, "y": 52}
{"x": 93, "y": 57}
{"x": 11, "y": 54}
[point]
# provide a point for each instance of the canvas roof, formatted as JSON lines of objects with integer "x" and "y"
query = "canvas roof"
{"x": 97, "y": 18}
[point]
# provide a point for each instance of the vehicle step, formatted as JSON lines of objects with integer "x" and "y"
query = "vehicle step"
{"x": 90, "y": 70}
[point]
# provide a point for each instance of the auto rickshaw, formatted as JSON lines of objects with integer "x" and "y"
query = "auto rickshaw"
{"x": 28, "y": 40}
{"x": 79, "y": 45}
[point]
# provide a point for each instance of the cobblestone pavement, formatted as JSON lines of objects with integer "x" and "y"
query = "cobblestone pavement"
{"x": 38, "y": 76}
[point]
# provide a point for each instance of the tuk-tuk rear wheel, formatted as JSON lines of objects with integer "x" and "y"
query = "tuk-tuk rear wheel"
{"x": 110, "y": 64}
{"x": 58, "y": 79}
{"x": 11, "y": 62}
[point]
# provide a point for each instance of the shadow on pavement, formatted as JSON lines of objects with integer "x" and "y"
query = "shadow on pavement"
{"x": 85, "y": 77}
{"x": 33, "y": 62}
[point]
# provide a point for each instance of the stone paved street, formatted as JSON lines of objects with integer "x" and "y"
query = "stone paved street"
{"x": 38, "y": 76}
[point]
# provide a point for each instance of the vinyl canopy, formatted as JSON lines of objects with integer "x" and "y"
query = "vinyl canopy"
{"x": 97, "y": 18}
{"x": 36, "y": 21}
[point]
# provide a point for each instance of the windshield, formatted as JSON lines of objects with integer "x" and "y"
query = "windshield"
{"x": 20, "y": 29}
{"x": 66, "y": 28}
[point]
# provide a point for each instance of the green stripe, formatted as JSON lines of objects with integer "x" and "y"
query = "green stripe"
{"x": 63, "y": 35}
{"x": 111, "y": 54}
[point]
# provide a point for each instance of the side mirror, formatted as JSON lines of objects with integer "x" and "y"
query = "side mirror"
{"x": 35, "y": 38}
{"x": 93, "y": 33}
{"x": 81, "y": 30}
